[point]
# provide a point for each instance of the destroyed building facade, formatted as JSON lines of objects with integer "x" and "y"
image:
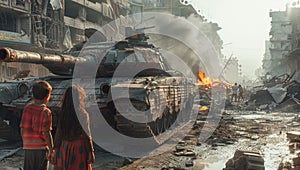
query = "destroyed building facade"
{"x": 49, "y": 26}
{"x": 283, "y": 48}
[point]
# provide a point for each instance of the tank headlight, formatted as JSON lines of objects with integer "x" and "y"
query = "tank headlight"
{"x": 22, "y": 89}
{"x": 105, "y": 88}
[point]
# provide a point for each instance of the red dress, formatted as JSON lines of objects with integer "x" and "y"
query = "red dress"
{"x": 72, "y": 155}
{"x": 72, "y": 151}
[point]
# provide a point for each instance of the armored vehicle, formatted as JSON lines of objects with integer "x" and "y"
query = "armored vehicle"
{"x": 157, "y": 93}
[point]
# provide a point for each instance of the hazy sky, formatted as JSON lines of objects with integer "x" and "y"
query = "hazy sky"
{"x": 245, "y": 27}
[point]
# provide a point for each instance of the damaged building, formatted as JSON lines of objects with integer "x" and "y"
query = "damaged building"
{"x": 281, "y": 63}
{"x": 180, "y": 9}
{"x": 49, "y": 26}
{"x": 282, "y": 50}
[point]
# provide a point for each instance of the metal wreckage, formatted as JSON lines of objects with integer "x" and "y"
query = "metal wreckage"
{"x": 279, "y": 92}
{"x": 149, "y": 90}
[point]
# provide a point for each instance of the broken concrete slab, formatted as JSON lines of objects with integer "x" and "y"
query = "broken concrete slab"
{"x": 245, "y": 160}
{"x": 296, "y": 161}
{"x": 293, "y": 135}
{"x": 189, "y": 163}
{"x": 291, "y": 104}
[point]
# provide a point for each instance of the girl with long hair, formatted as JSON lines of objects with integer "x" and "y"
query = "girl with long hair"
{"x": 73, "y": 147}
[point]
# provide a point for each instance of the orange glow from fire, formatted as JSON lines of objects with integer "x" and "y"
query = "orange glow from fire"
{"x": 203, "y": 108}
{"x": 204, "y": 81}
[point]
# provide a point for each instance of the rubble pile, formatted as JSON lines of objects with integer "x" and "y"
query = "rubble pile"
{"x": 294, "y": 145}
{"x": 245, "y": 160}
{"x": 278, "y": 93}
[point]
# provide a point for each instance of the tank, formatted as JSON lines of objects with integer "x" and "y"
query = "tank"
{"x": 157, "y": 94}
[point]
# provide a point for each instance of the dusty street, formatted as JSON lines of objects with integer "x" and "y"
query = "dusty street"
{"x": 244, "y": 130}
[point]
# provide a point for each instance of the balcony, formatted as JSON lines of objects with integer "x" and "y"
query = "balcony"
{"x": 20, "y": 4}
{"x": 17, "y": 5}
{"x": 5, "y": 2}
{"x": 91, "y": 5}
{"x": 79, "y": 24}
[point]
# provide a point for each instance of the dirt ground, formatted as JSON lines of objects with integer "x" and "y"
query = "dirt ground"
{"x": 260, "y": 131}
{"x": 244, "y": 130}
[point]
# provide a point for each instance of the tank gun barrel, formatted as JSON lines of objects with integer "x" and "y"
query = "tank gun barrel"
{"x": 11, "y": 55}
{"x": 141, "y": 30}
{"x": 58, "y": 64}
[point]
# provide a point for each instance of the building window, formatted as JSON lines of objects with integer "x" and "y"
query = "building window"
{"x": 12, "y": 71}
{"x": 7, "y": 22}
{"x": 20, "y": 2}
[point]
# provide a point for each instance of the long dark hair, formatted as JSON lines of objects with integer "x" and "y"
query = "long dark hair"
{"x": 72, "y": 108}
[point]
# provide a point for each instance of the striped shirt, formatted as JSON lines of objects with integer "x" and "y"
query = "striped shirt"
{"x": 36, "y": 119}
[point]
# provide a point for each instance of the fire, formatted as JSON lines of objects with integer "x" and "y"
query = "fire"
{"x": 206, "y": 82}
{"x": 203, "y": 108}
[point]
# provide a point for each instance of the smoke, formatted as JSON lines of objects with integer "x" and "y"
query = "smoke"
{"x": 190, "y": 32}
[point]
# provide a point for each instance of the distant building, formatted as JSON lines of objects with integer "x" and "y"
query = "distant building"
{"x": 293, "y": 58}
{"x": 170, "y": 6}
{"x": 284, "y": 43}
{"x": 267, "y": 67}
{"x": 231, "y": 70}
{"x": 280, "y": 43}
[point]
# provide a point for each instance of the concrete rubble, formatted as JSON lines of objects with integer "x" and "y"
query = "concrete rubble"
{"x": 294, "y": 145}
{"x": 281, "y": 94}
{"x": 245, "y": 160}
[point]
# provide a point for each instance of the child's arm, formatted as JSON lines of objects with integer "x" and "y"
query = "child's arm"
{"x": 49, "y": 140}
{"x": 46, "y": 129}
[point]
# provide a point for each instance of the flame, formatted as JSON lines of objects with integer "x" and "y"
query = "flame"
{"x": 208, "y": 83}
{"x": 204, "y": 81}
{"x": 203, "y": 108}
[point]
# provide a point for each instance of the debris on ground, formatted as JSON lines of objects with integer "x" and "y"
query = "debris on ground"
{"x": 280, "y": 93}
{"x": 245, "y": 160}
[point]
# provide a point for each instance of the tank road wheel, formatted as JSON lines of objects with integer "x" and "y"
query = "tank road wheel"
{"x": 186, "y": 112}
{"x": 131, "y": 128}
{"x": 109, "y": 115}
{"x": 167, "y": 121}
{"x": 159, "y": 126}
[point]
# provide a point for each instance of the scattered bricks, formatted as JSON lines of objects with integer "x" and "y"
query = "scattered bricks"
{"x": 178, "y": 153}
{"x": 195, "y": 127}
{"x": 198, "y": 122}
{"x": 292, "y": 147}
{"x": 189, "y": 153}
{"x": 189, "y": 163}
{"x": 218, "y": 144}
{"x": 179, "y": 148}
{"x": 296, "y": 161}
{"x": 254, "y": 137}
{"x": 293, "y": 136}
{"x": 229, "y": 142}
{"x": 182, "y": 142}
{"x": 198, "y": 144}
{"x": 285, "y": 166}
{"x": 188, "y": 137}
{"x": 165, "y": 167}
